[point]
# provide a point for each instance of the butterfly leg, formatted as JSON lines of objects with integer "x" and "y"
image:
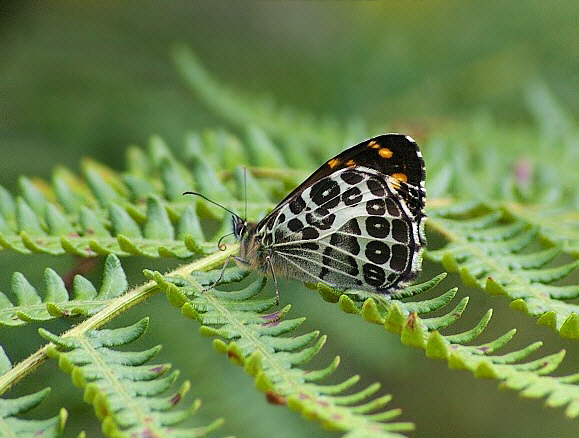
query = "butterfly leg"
{"x": 244, "y": 262}
{"x": 221, "y": 274}
{"x": 268, "y": 259}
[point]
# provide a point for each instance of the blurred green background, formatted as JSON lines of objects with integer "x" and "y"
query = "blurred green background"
{"x": 87, "y": 79}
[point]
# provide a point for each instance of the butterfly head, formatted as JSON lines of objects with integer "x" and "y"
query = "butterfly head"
{"x": 245, "y": 232}
{"x": 252, "y": 252}
{"x": 239, "y": 227}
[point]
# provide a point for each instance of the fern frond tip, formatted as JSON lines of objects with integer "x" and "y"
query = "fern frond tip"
{"x": 436, "y": 346}
{"x": 570, "y": 327}
{"x": 413, "y": 332}
{"x": 371, "y": 313}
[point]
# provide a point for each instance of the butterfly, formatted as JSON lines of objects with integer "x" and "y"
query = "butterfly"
{"x": 356, "y": 223}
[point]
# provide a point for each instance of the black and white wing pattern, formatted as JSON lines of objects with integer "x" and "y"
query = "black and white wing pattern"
{"x": 356, "y": 222}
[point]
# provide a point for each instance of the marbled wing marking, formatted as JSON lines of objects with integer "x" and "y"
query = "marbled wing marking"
{"x": 304, "y": 267}
{"x": 379, "y": 208}
{"x": 380, "y": 265}
{"x": 320, "y": 244}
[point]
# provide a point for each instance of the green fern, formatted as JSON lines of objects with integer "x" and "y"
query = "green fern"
{"x": 86, "y": 300}
{"x": 11, "y": 425}
{"x": 111, "y": 379}
{"x": 529, "y": 377}
{"x": 493, "y": 223}
{"x": 257, "y": 345}
{"x": 125, "y": 392}
{"x": 488, "y": 247}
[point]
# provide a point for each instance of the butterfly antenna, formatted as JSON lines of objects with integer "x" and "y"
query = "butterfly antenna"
{"x": 220, "y": 245}
{"x": 213, "y": 202}
{"x": 245, "y": 190}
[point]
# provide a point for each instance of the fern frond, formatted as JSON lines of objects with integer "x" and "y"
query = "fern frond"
{"x": 512, "y": 248}
{"x": 136, "y": 213}
{"x": 86, "y": 300}
{"x": 559, "y": 226}
{"x": 531, "y": 378}
{"x": 111, "y": 300}
{"x": 255, "y": 342}
{"x": 497, "y": 250}
{"x": 301, "y": 132}
{"x": 126, "y": 392}
{"x": 10, "y": 409}
{"x": 11, "y": 425}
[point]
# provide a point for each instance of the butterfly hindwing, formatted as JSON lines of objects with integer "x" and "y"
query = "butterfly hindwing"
{"x": 347, "y": 234}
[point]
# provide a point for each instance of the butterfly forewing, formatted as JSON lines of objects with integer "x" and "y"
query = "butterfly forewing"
{"x": 354, "y": 223}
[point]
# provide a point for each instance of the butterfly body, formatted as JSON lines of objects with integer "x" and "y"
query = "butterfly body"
{"x": 355, "y": 223}
{"x": 252, "y": 252}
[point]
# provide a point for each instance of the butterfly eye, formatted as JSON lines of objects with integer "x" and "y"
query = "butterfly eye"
{"x": 239, "y": 226}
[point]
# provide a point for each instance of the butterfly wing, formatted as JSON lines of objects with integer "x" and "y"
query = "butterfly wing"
{"x": 396, "y": 155}
{"x": 356, "y": 222}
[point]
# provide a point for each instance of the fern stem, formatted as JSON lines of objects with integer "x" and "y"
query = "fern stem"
{"x": 115, "y": 307}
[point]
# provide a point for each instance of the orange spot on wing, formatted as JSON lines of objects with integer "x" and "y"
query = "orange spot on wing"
{"x": 350, "y": 163}
{"x": 385, "y": 153}
{"x": 333, "y": 163}
{"x": 400, "y": 177}
{"x": 373, "y": 145}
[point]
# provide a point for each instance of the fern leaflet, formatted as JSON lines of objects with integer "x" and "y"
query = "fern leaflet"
{"x": 255, "y": 342}
{"x": 531, "y": 378}
{"x": 11, "y": 425}
{"x": 86, "y": 300}
{"x": 125, "y": 391}
{"x": 503, "y": 254}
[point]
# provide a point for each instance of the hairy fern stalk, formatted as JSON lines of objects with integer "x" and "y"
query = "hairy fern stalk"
{"x": 492, "y": 227}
